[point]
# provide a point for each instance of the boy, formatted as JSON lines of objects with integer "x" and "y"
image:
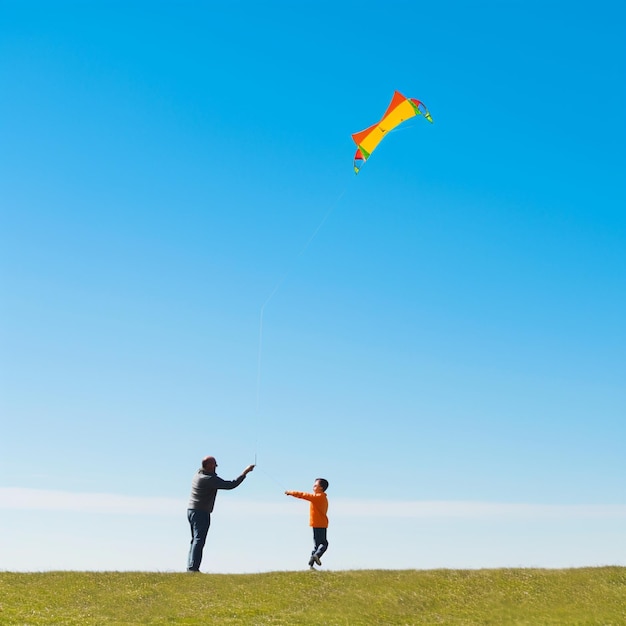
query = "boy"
{"x": 318, "y": 519}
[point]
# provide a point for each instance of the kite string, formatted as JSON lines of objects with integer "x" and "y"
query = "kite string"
{"x": 333, "y": 206}
{"x": 276, "y": 482}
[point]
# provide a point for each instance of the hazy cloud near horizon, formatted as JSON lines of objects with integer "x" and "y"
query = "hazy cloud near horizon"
{"x": 16, "y": 498}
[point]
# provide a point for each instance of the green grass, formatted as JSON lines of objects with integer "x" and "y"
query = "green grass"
{"x": 503, "y": 596}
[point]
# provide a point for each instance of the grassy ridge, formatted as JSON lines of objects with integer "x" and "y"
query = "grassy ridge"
{"x": 504, "y": 596}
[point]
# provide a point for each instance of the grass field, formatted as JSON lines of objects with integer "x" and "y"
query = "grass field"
{"x": 503, "y": 596}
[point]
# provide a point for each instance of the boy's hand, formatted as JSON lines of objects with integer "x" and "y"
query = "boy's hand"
{"x": 248, "y": 469}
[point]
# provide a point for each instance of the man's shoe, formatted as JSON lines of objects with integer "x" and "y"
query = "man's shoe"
{"x": 316, "y": 559}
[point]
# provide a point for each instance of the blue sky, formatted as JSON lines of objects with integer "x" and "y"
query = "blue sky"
{"x": 443, "y": 336}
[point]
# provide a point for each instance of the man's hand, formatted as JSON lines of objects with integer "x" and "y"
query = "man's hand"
{"x": 248, "y": 469}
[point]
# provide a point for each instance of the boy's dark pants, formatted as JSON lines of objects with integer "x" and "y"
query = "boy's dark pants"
{"x": 320, "y": 543}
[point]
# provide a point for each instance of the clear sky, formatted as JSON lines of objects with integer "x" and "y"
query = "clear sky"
{"x": 443, "y": 336}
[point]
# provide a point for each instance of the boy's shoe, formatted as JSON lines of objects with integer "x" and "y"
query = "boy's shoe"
{"x": 312, "y": 561}
{"x": 316, "y": 559}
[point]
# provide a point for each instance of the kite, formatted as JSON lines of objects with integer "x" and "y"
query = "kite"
{"x": 399, "y": 110}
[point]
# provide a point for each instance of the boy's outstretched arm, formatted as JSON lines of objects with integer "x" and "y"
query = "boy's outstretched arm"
{"x": 303, "y": 495}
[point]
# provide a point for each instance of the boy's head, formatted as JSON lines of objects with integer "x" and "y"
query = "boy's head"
{"x": 320, "y": 484}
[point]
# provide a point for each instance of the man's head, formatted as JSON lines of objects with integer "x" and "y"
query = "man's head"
{"x": 320, "y": 484}
{"x": 209, "y": 464}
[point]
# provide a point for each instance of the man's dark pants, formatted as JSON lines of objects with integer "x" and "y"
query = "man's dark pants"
{"x": 199, "y": 522}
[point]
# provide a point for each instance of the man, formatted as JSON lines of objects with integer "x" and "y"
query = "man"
{"x": 203, "y": 491}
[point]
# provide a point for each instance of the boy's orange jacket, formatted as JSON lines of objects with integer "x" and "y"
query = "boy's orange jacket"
{"x": 317, "y": 509}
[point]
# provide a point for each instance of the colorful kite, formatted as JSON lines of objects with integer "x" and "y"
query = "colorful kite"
{"x": 399, "y": 110}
